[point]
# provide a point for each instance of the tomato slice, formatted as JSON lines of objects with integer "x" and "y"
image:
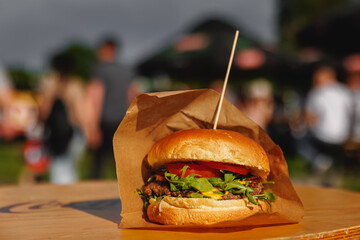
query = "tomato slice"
{"x": 202, "y": 170}
{"x": 226, "y": 166}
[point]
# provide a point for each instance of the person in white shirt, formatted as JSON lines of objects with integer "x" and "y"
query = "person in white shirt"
{"x": 328, "y": 110}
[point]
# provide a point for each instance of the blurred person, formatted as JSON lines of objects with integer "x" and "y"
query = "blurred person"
{"x": 328, "y": 109}
{"x": 353, "y": 81}
{"x": 137, "y": 86}
{"x": 108, "y": 98}
{"x": 352, "y": 146}
{"x": 218, "y": 84}
{"x": 258, "y": 102}
{"x": 352, "y": 66}
{"x": 5, "y": 88}
{"x": 261, "y": 105}
{"x": 62, "y": 108}
{"x": 6, "y": 97}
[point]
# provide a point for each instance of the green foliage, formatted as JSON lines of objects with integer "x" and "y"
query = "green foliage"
{"x": 296, "y": 14}
{"x": 23, "y": 79}
{"x": 83, "y": 59}
{"x": 11, "y": 162}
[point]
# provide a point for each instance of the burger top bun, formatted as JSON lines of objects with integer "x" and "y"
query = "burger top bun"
{"x": 210, "y": 145}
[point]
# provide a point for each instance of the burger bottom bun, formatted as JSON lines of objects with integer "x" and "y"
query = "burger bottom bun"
{"x": 201, "y": 211}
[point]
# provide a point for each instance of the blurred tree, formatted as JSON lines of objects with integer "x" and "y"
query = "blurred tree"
{"x": 296, "y": 14}
{"x": 83, "y": 59}
{"x": 336, "y": 35}
{"x": 22, "y": 78}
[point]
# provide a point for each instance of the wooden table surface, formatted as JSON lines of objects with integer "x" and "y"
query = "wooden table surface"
{"x": 91, "y": 210}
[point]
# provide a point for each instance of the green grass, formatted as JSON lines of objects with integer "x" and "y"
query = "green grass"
{"x": 297, "y": 166}
{"x": 11, "y": 162}
{"x": 352, "y": 182}
{"x": 85, "y": 167}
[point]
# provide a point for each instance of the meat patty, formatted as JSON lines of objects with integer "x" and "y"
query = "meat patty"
{"x": 231, "y": 196}
{"x": 256, "y": 184}
{"x": 161, "y": 188}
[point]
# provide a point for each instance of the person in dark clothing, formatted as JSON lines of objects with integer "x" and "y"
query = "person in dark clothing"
{"x": 62, "y": 111}
{"x": 108, "y": 98}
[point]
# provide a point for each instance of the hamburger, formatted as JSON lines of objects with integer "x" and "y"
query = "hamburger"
{"x": 205, "y": 176}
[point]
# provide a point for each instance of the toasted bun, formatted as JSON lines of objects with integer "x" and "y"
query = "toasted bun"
{"x": 210, "y": 145}
{"x": 201, "y": 211}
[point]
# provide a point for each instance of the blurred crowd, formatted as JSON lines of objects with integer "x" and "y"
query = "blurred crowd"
{"x": 324, "y": 129}
{"x": 66, "y": 115}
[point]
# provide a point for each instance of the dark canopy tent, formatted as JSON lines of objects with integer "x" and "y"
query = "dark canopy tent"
{"x": 203, "y": 52}
{"x": 336, "y": 35}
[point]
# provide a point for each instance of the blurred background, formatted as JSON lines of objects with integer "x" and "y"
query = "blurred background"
{"x": 69, "y": 70}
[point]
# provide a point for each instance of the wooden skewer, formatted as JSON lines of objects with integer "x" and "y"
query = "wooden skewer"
{"x": 226, "y": 80}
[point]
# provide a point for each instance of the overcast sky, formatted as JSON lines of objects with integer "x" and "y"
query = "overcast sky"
{"x": 31, "y": 29}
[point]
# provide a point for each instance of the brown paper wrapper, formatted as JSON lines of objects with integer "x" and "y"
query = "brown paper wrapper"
{"x": 155, "y": 115}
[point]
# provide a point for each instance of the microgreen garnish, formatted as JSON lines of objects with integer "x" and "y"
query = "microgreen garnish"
{"x": 144, "y": 197}
{"x": 185, "y": 183}
{"x": 196, "y": 195}
{"x": 267, "y": 197}
{"x": 230, "y": 182}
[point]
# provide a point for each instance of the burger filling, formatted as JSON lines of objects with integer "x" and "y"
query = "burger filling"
{"x": 219, "y": 181}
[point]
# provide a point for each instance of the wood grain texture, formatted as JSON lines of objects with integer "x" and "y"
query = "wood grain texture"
{"x": 91, "y": 210}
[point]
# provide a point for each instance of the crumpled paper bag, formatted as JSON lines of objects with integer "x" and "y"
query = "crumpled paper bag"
{"x": 155, "y": 115}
